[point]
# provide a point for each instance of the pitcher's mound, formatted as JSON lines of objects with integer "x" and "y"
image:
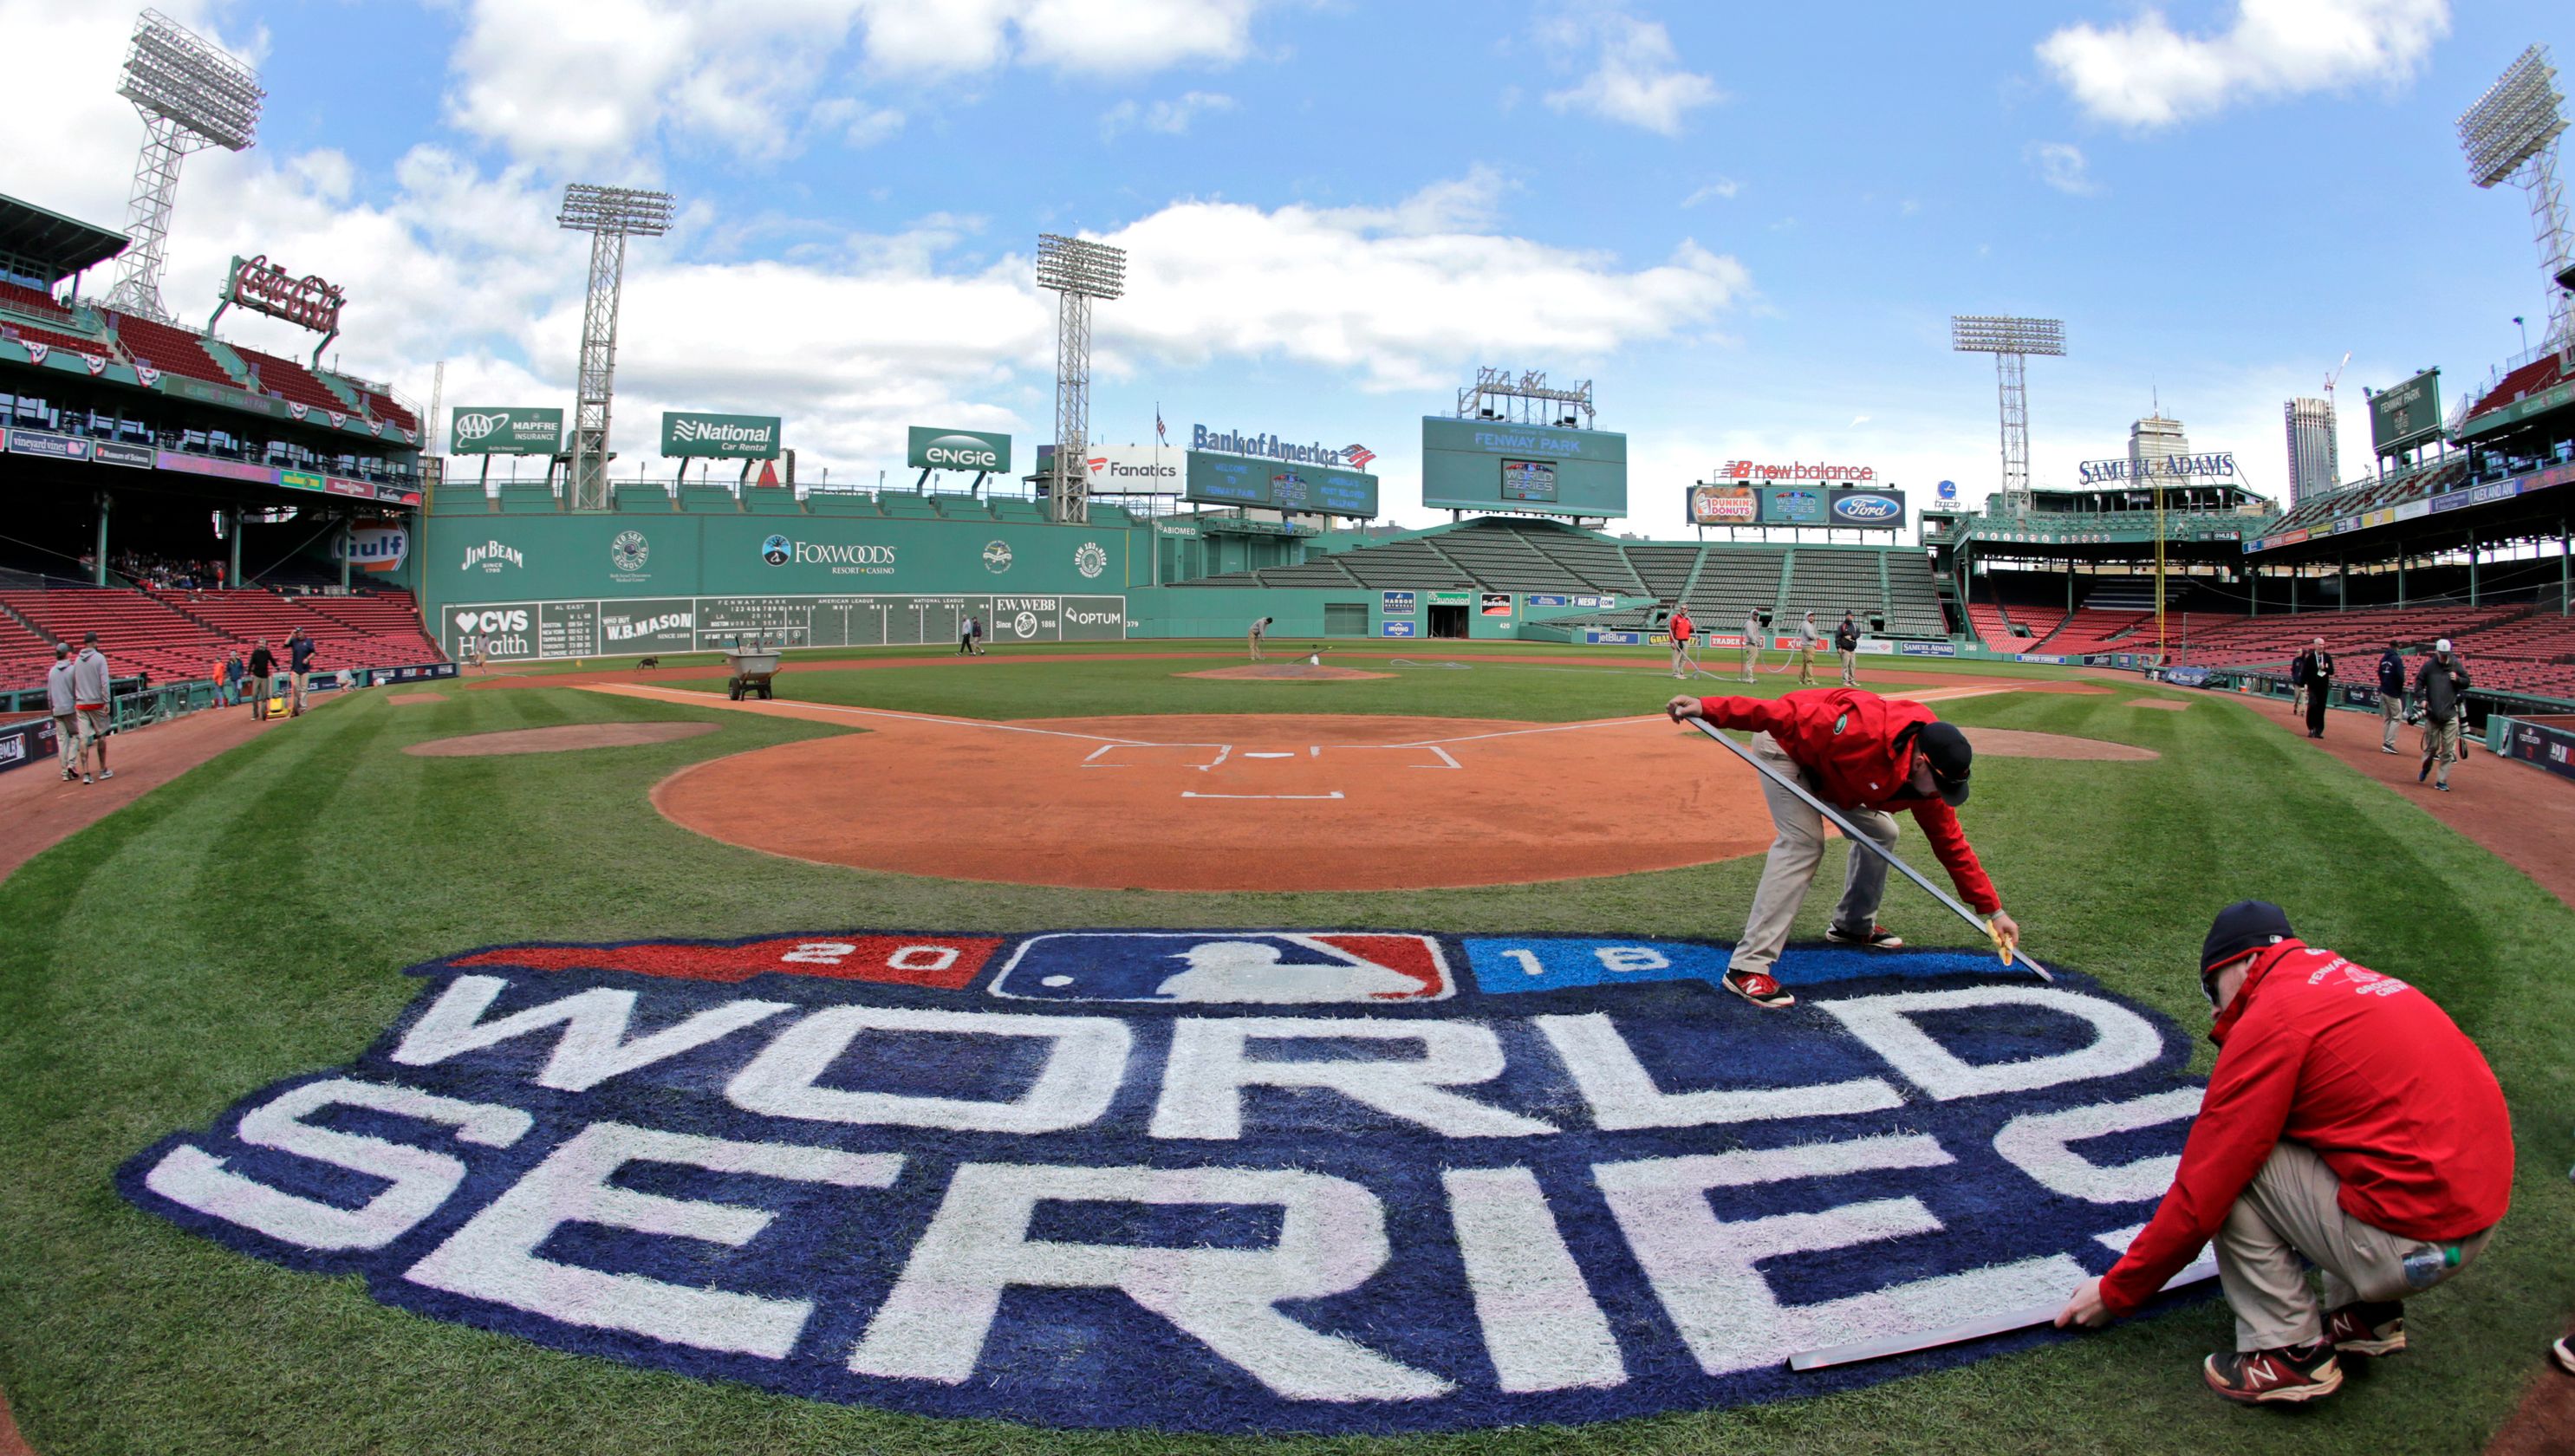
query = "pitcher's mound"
{"x": 1285, "y": 673}
{"x": 561, "y": 739}
{"x": 2017, "y": 744}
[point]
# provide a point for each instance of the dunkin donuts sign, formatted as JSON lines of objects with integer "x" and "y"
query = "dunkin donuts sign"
{"x": 1209, "y": 1181}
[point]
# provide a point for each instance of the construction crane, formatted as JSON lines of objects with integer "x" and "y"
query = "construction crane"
{"x": 2334, "y": 378}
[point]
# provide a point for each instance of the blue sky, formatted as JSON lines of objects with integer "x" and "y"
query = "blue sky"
{"x": 1747, "y": 224}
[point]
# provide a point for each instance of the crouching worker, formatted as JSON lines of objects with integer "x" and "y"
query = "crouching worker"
{"x": 2349, "y": 1124}
{"x": 1865, "y": 756}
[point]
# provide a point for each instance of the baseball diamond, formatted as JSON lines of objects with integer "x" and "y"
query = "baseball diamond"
{"x": 1719, "y": 878}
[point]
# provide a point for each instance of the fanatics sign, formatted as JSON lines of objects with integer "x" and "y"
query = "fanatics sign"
{"x": 1211, "y": 1180}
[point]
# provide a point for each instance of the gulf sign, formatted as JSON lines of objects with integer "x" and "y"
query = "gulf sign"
{"x": 1332, "y": 1181}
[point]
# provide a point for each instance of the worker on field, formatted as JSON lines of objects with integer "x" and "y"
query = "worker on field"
{"x": 1868, "y": 757}
{"x": 1752, "y": 642}
{"x": 1809, "y": 639}
{"x": 1846, "y": 642}
{"x": 1682, "y": 628}
{"x": 2349, "y": 1124}
{"x": 2442, "y": 685}
{"x": 1259, "y": 629}
{"x": 2391, "y": 695}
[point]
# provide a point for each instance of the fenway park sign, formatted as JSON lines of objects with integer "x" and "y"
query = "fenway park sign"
{"x": 1212, "y": 1180}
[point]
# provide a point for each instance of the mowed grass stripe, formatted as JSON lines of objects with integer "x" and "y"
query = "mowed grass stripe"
{"x": 140, "y": 996}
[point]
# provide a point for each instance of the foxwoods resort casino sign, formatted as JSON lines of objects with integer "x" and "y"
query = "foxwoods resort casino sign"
{"x": 1216, "y": 1180}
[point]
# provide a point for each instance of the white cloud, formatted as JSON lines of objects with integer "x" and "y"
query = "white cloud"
{"x": 1722, "y": 189}
{"x": 575, "y": 82}
{"x": 1170, "y": 118}
{"x": 2061, "y": 165}
{"x": 1636, "y": 77}
{"x": 2145, "y": 74}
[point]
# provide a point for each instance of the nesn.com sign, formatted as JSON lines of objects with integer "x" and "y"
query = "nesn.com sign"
{"x": 1212, "y": 1180}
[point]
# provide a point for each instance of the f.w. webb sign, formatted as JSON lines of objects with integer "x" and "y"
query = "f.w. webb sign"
{"x": 1208, "y": 1180}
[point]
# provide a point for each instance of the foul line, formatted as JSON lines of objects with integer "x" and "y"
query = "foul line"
{"x": 704, "y": 699}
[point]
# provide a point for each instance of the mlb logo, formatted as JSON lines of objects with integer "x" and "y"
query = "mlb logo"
{"x": 1226, "y": 968}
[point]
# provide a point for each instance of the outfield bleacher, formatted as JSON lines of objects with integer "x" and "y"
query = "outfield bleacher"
{"x": 176, "y": 634}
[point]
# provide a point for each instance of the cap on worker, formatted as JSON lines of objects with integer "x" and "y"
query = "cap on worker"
{"x": 1950, "y": 757}
{"x": 62, "y": 649}
{"x": 2240, "y": 928}
{"x": 90, "y": 638}
{"x": 2442, "y": 646}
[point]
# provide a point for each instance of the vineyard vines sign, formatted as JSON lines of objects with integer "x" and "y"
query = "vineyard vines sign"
{"x": 1209, "y": 1181}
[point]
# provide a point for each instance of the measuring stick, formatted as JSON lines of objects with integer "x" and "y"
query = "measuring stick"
{"x": 1989, "y": 1325}
{"x": 1859, "y": 840}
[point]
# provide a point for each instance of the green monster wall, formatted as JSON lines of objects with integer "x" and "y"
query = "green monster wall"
{"x": 586, "y": 586}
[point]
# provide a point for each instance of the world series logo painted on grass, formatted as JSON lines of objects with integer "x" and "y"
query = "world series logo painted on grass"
{"x": 1212, "y": 1180}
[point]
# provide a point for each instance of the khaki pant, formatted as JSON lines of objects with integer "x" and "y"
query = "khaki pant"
{"x": 1850, "y": 667}
{"x": 2391, "y": 712}
{"x": 67, "y": 740}
{"x": 1751, "y": 656}
{"x": 2288, "y": 1211}
{"x": 1807, "y": 664}
{"x": 2298, "y": 701}
{"x": 1795, "y": 853}
{"x": 2441, "y": 745}
{"x": 1681, "y": 657}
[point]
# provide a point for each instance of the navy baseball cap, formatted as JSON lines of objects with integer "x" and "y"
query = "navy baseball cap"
{"x": 1950, "y": 757}
{"x": 2242, "y": 926}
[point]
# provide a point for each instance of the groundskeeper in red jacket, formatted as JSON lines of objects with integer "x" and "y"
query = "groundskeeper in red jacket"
{"x": 1858, "y": 754}
{"x": 2360, "y": 1067}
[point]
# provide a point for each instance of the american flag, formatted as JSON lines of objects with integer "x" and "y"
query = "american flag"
{"x": 1360, "y": 454}
{"x": 1160, "y": 432}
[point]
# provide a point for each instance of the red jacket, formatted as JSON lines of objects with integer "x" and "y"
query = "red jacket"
{"x": 1682, "y": 628}
{"x": 1846, "y": 738}
{"x": 2362, "y": 1068}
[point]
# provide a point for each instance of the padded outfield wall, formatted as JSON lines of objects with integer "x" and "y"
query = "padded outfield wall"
{"x": 567, "y": 586}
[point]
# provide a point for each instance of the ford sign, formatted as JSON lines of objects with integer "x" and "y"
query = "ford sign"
{"x": 1867, "y": 508}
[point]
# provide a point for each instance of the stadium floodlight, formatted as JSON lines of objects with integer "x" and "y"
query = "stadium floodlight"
{"x": 1077, "y": 271}
{"x": 192, "y": 95}
{"x": 2010, "y": 341}
{"x": 2510, "y": 135}
{"x": 609, "y": 215}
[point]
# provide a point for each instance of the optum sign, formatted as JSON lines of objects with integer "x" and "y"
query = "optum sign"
{"x": 687, "y": 433}
{"x": 975, "y": 449}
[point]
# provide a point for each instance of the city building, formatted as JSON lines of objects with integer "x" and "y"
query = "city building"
{"x": 2315, "y": 460}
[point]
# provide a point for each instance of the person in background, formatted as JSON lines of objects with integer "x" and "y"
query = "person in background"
{"x": 2349, "y": 1124}
{"x": 2391, "y": 696}
{"x": 1752, "y": 642}
{"x": 217, "y": 676}
{"x": 262, "y": 664}
{"x": 64, "y": 705}
{"x": 232, "y": 676}
{"x": 1846, "y": 642}
{"x": 2442, "y": 684}
{"x": 2298, "y": 685}
{"x": 980, "y": 628}
{"x": 90, "y": 688}
{"x": 298, "y": 665}
{"x": 966, "y": 638}
{"x": 1259, "y": 629}
{"x": 1682, "y": 627}
{"x": 2319, "y": 680}
{"x": 1809, "y": 639}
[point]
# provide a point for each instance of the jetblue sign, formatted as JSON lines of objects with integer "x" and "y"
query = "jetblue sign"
{"x": 1211, "y": 1180}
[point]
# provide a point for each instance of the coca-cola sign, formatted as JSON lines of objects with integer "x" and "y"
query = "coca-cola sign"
{"x": 308, "y": 301}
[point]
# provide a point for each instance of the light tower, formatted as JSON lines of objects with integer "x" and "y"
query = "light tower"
{"x": 2010, "y": 341}
{"x": 2510, "y": 135}
{"x": 609, "y": 215}
{"x": 1077, "y": 270}
{"x": 192, "y": 96}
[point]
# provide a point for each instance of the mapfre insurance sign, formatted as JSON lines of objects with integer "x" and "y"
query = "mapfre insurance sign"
{"x": 1209, "y": 1181}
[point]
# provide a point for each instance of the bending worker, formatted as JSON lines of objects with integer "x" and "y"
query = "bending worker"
{"x": 1865, "y": 756}
{"x": 2348, "y": 1124}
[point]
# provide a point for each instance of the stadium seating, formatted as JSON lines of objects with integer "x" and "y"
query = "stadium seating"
{"x": 175, "y": 635}
{"x": 173, "y": 350}
{"x": 840, "y": 502}
{"x": 643, "y": 495}
{"x": 292, "y": 382}
{"x": 2539, "y": 373}
{"x": 1009, "y": 509}
{"x": 387, "y": 409}
{"x": 36, "y": 304}
{"x": 77, "y": 342}
{"x": 528, "y": 499}
{"x": 467, "y": 500}
{"x": 1664, "y": 570}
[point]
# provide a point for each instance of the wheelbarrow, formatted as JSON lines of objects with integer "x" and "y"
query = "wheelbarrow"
{"x": 752, "y": 671}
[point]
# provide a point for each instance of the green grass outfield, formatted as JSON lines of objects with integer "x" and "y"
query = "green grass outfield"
{"x": 250, "y": 921}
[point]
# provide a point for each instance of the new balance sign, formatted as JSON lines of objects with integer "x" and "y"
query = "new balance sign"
{"x": 1211, "y": 1180}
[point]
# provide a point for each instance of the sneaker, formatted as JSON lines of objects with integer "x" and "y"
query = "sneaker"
{"x": 1760, "y": 989}
{"x": 2442, "y": 786}
{"x": 106, "y": 773}
{"x": 2367, "y": 1328}
{"x": 85, "y": 779}
{"x": 2424, "y": 773}
{"x": 67, "y": 776}
{"x": 1878, "y": 938}
{"x": 2285, "y": 1376}
{"x": 2387, "y": 748}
